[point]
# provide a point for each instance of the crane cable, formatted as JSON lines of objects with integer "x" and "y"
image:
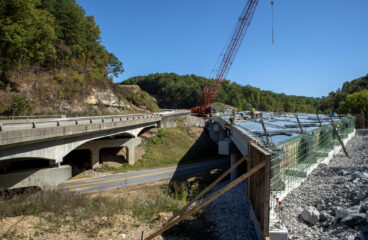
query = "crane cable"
{"x": 273, "y": 39}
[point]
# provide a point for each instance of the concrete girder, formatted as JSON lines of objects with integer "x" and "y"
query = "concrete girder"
{"x": 57, "y": 149}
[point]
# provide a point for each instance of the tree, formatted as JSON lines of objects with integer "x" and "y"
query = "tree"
{"x": 26, "y": 34}
{"x": 114, "y": 66}
{"x": 356, "y": 103}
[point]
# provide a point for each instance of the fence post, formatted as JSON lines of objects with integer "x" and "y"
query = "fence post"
{"x": 266, "y": 199}
{"x": 338, "y": 136}
{"x": 300, "y": 126}
{"x": 265, "y": 130}
{"x": 319, "y": 120}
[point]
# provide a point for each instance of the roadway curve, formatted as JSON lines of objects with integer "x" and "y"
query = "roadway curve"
{"x": 113, "y": 181}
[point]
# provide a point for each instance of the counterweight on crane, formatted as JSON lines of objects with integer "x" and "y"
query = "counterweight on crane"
{"x": 210, "y": 91}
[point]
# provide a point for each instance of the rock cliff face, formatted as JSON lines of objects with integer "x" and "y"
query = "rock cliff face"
{"x": 47, "y": 96}
{"x": 110, "y": 100}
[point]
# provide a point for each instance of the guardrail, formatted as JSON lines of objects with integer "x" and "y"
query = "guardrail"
{"x": 8, "y": 126}
{"x": 31, "y": 117}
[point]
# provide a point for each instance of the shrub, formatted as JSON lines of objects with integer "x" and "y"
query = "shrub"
{"x": 59, "y": 78}
{"x": 18, "y": 106}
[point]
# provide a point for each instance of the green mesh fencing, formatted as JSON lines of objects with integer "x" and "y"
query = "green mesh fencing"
{"x": 294, "y": 157}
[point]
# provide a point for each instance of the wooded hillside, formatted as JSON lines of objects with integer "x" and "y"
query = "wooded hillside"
{"x": 175, "y": 91}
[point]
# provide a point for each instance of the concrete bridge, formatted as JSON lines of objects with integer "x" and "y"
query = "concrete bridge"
{"x": 52, "y": 140}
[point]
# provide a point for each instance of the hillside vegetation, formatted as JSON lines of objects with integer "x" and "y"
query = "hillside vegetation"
{"x": 51, "y": 58}
{"x": 187, "y": 91}
{"x": 175, "y": 91}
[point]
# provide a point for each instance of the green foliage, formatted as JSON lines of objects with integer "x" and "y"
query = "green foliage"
{"x": 186, "y": 91}
{"x": 334, "y": 100}
{"x": 161, "y": 133}
{"x": 26, "y": 33}
{"x": 356, "y": 103}
{"x": 59, "y": 78}
{"x": 53, "y": 34}
{"x": 19, "y": 106}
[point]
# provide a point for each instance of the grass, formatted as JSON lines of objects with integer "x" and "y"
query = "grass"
{"x": 88, "y": 214}
{"x": 169, "y": 147}
{"x": 60, "y": 207}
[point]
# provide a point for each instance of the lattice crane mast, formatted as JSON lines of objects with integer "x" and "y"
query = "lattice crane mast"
{"x": 210, "y": 91}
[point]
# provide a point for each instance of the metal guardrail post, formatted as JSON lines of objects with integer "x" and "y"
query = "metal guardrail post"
{"x": 57, "y": 123}
{"x": 76, "y": 122}
{"x": 102, "y": 120}
{"x": 33, "y": 124}
{"x": 1, "y": 127}
{"x": 90, "y": 120}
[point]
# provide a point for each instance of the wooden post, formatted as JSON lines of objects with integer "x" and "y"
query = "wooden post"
{"x": 300, "y": 126}
{"x": 207, "y": 189}
{"x": 266, "y": 198}
{"x": 209, "y": 200}
{"x": 319, "y": 120}
{"x": 338, "y": 136}
{"x": 265, "y": 130}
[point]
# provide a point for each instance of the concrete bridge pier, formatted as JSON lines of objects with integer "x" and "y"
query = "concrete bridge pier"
{"x": 96, "y": 145}
{"x": 234, "y": 157}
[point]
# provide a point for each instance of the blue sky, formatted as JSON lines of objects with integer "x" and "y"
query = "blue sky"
{"x": 319, "y": 44}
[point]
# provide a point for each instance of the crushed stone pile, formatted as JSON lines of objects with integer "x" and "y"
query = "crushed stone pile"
{"x": 333, "y": 201}
{"x": 193, "y": 121}
{"x": 229, "y": 214}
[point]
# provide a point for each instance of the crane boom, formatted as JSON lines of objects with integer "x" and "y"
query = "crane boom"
{"x": 210, "y": 92}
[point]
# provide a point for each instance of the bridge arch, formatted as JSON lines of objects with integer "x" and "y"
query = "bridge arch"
{"x": 59, "y": 148}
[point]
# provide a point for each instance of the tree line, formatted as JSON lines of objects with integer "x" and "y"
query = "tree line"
{"x": 175, "y": 91}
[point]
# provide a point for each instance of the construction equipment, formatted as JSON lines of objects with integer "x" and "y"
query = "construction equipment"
{"x": 210, "y": 91}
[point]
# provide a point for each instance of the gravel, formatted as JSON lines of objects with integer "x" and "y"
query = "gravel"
{"x": 193, "y": 121}
{"x": 229, "y": 214}
{"x": 340, "y": 193}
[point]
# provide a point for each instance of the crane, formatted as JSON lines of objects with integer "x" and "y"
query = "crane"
{"x": 210, "y": 92}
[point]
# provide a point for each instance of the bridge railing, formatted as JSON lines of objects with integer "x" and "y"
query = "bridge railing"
{"x": 31, "y": 117}
{"x": 9, "y": 126}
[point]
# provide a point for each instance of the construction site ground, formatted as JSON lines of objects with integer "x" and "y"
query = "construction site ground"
{"x": 336, "y": 193}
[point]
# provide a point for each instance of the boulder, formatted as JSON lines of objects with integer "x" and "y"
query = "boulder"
{"x": 362, "y": 194}
{"x": 360, "y": 175}
{"x": 342, "y": 212}
{"x": 310, "y": 215}
{"x": 364, "y": 205}
{"x": 354, "y": 219}
{"x": 343, "y": 172}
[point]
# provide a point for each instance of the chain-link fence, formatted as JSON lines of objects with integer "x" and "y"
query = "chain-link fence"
{"x": 295, "y": 157}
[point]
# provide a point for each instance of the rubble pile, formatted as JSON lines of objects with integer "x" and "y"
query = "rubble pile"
{"x": 333, "y": 201}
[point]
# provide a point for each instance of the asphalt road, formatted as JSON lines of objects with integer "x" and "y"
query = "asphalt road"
{"x": 113, "y": 181}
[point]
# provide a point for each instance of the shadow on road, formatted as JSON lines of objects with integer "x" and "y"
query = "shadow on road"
{"x": 204, "y": 149}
